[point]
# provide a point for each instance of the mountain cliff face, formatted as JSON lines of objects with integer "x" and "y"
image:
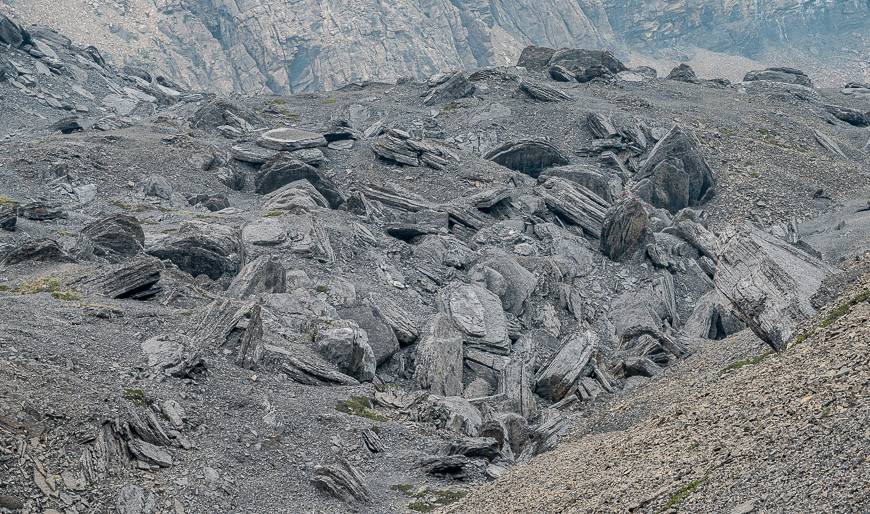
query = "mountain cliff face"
{"x": 303, "y": 45}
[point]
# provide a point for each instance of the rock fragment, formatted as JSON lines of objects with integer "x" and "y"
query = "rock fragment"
{"x": 342, "y": 481}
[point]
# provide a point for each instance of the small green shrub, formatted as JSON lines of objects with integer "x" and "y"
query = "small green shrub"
{"x": 136, "y": 396}
{"x": 359, "y": 406}
{"x": 745, "y": 362}
{"x": 67, "y": 296}
{"x": 683, "y": 493}
{"x": 328, "y": 101}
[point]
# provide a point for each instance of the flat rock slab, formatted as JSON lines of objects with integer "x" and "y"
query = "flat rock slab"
{"x": 290, "y": 139}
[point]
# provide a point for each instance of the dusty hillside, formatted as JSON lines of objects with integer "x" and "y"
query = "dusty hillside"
{"x": 760, "y": 433}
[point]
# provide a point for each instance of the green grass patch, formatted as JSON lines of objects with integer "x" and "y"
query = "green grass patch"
{"x": 451, "y": 106}
{"x": 728, "y": 132}
{"x": 136, "y": 396}
{"x": 406, "y": 489}
{"x": 67, "y": 296}
{"x": 322, "y": 288}
{"x": 38, "y": 285}
{"x": 746, "y": 362}
{"x": 835, "y": 314}
{"x": 683, "y": 493}
{"x": 441, "y": 499}
{"x": 359, "y": 406}
{"x": 328, "y": 101}
{"x": 5, "y": 200}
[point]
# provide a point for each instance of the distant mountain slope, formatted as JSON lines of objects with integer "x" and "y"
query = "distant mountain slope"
{"x": 304, "y": 45}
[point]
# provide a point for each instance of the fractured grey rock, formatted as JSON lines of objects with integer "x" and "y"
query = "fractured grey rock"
{"x": 478, "y": 314}
{"x": 555, "y": 380}
{"x": 439, "y": 358}
{"x": 527, "y": 156}
{"x": 346, "y": 345}
{"x": 265, "y": 274}
{"x": 625, "y": 230}
{"x": 342, "y": 481}
{"x": 576, "y": 204}
{"x": 540, "y": 91}
{"x": 454, "y": 87}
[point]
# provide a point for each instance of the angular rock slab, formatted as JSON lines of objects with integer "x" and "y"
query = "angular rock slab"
{"x": 675, "y": 175}
{"x": 780, "y": 74}
{"x": 342, "y": 481}
{"x": 439, "y": 364}
{"x": 625, "y": 230}
{"x": 478, "y": 314}
{"x": 576, "y": 204}
{"x": 556, "y": 379}
{"x": 769, "y": 283}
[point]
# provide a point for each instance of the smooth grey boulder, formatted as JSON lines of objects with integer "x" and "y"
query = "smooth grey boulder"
{"x": 346, "y": 345}
{"x": 770, "y": 283}
{"x": 439, "y": 358}
{"x": 625, "y": 230}
{"x": 675, "y": 175}
{"x": 528, "y": 156}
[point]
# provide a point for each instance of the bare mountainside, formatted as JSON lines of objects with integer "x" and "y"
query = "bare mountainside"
{"x": 281, "y": 46}
{"x": 380, "y": 298}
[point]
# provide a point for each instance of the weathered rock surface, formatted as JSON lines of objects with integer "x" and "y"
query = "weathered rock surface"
{"x": 342, "y": 481}
{"x": 202, "y": 248}
{"x": 347, "y": 346}
{"x": 527, "y": 156}
{"x": 555, "y": 380}
{"x": 786, "y": 75}
{"x": 113, "y": 238}
{"x": 770, "y": 284}
{"x": 625, "y": 230}
{"x": 439, "y": 358}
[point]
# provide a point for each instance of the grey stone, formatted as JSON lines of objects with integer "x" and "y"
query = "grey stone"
{"x": 439, "y": 358}
{"x": 289, "y": 139}
{"x": 625, "y": 230}
{"x": 527, "y": 156}
{"x": 265, "y": 274}
{"x": 780, "y": 74}
{"x": 346, "y": 345}
{"x": 555, "y": 380}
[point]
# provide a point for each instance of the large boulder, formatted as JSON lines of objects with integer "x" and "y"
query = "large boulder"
{"x": 780, "y": 74}
{"x": 11, "y": 33}
{"x": 39, "y": 250}
{"x": 575, "y": 204}
{"x": 770, "y": 283}
{"x": 288, "y": 139}
{"x": 346, "y": 345}
{"x": 380, "y": 334}
{"x": 577, "y": 60}
{"x": 535, "y": 58}
{"x": 528, "y": 156}
{"x": 505, "y": 277}
{"x": 625, "y": 230}
{"x": 683, "y": 73}
{"x": 439, "y": 358}
{"x": 449, "y": 88}
{"x": 555, "y": 380}
{"x": 675, "y": 175}
{"x": 202, "y": 249}
{"x": 265, "y": 274}
{"x": 113, "y": 237}
{"x": 478, "y": 314}
{"x": 284, "y": 169}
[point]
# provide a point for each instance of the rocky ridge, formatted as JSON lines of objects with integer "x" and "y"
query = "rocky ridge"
{"x": 388, "y": 294}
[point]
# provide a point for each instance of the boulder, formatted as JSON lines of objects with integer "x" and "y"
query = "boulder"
{"x": 675, "y": 175}
{"x": 770, "y": 284}
{"x": 528, "y": 156}
{"x": 420, "y": 223}
{"x": 542, "y": 92}
{"x": 449, "y": 413}
{"x": 202, "y": 249}
{"x": 478, "y": 314}
{"x": 398, "y": 146}
{"x": 265, "y": 274}
{"x": 452, "y": 87}
{"x": 576, "y": 204}
{"x": 849, "y": 115}
{"x": 439, "y": 358}
{"x": 600, "y": 73}
{"x": 578, "y": 60}
{"x": 600, "y": 125}
{"x": 39, "y": 250}
{"x": 284, "y": 169}
{"x": 625, "y": 230}
{"x": 170, "y": 355}
{"x": 288, "y": 139}
{"x": 8, "y": 218}
{"x": 135, "y": 280}
{"x": 535, "y": 58}
{"x": 342, "y": 481}
{"x": 296, "y": 197}
{"x": 11, "y": 33}
{"x": 212, "y": 202}
{"x": 401, "y": 321}
{"x": 158, "y": 187}
{"x": 780, "y": 74}
{"x": 346, "y": 345}
{"x": 381, "y": 337}
{"x": 683, "y": 73}
{"x": 561, "y": 74}
{"x": 604, "y": 183}
{"x": 555, "y": 380}
{"x": 231, "y": 177}
{"x": 39, "y": 211}
{"x": 113, "y": 238}
{"x": 505, "y": 277}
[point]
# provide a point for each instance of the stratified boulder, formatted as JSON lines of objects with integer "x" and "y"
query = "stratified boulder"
{"x": 561, "y": 74}
{"x": 202, "y": 249}
{"x": 265, "y": 274}
{"x": 780, "y": 74}
{"x": 675, "y": 175}
{"x": 40, "y": 250}
{"x": 8, "y": 218}
{"x": 342, "y": 481}
{"x": 284, "y": 169}
{"x": 602, "y": 182}
{"x": 575, "y": 204}
{"x": 398, "y": 146}
{"x": 478, "y": 314}
{"x": 114, "y": 237}
{"x": 683, "y": 73}
{"x": 595, "y": 73}
{"x": 539, "y": 91}
{"x": 555, "y": 380}
{"x": 528, "y": 156}
{"x": 213, "y": 202}
{"x": 577, "y": 60}
{"x": 770, "y": 284}
{"x": 158, "y": 187}
{"x": 297, "y": 197}
{"x": 448, "y": 88}
{"x": 135, "y": 280}
{"x": 346, "y": 345}
{"x": 625, "y": 230}
{"x": 535, "y": 58}
{"x": 439, "y": 358}
{"x": 850, "y": 116}
{"x": 505, "y": 277}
